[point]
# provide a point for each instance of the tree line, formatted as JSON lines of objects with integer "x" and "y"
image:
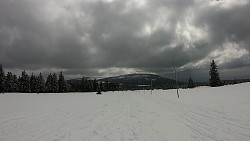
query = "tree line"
{"x": 93, "y": 85}
{"x": 53, "y": 84}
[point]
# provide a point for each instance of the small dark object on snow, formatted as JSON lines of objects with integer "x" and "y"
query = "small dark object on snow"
{"x": 98, "y": 92}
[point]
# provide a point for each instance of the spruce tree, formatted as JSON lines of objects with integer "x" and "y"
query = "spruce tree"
{"x": 24, "y": 83}
{"x": 33, "y": 83}
{"x": 9, "y": 83}
{"x": 101, "y": 86}
{"x": 214, "y": 79}
{"x": 62, "y": 85}
{"x": 190, "y": 83}
{"x": 2, "y": 79}
{"x": 99, "y": 91}
{"x": 105, "y": 87}
{"x": 113, "y": 86}
{"x": 54, "y": 83}
{"x": 48, "y": 84}
{"x": 83, "y": 84}
{"x": 86, "y": 85}
{"x": 15, "y": 83}
{"x": 40, "y": 87}
{"x": 95, "y": 85}
{"x": 69, "y": 89}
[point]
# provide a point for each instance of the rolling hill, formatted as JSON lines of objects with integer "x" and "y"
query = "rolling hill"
{"x": 139, "y": 81}
{"x": 136, "y": 81}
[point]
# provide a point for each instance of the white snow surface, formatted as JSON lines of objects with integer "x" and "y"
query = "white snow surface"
{"x": 200, "y": 114}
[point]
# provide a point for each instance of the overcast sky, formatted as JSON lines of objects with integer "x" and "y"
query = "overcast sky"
{"x": 112, "y": 37}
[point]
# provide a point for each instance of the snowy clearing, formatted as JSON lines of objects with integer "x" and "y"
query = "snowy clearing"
{"x": 220, "y": 114}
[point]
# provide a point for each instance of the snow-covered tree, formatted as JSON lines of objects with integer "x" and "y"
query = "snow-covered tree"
{"x": 2, "y": 79}
{"x": 214, "y": 79}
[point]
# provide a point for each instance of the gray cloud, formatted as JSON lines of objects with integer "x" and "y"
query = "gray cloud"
{"x": 84, "y": 37}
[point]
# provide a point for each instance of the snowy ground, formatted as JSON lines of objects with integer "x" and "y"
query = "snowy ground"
{"x": 220, "y": 114}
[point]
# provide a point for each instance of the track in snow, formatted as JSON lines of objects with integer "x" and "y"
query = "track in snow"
{"x": 215, "y": 115}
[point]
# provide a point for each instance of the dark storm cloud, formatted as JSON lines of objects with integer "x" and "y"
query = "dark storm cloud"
{"x": 226, "y": 24}
{"x": 98, "y": 37}
{"x": 30, "y": 40}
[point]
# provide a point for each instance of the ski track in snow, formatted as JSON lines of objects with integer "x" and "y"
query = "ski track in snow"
{"x": 209, "y": 125}
{"x": 125, "y": 116}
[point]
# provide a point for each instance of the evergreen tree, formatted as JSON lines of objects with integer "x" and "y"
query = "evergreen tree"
{"x": 99, "y": 91}
{"x": 83, "y": 81}
{"x": 117, "y": 86}
{"x": 86, "y": 85}
{"x": 15, "y": 83}
{"x": 49, "y": 87}
{"x": 101, "y": 86}
{"x": 95, "y": 85}
{"x": 9, "y": 83}
{"x": 190, "y": 83}
{"x": 105, "y": 86}
{"x": 68, "y": 86}
{"x": 52, "y": 83}
{"x": 113, "y": 86}
{"x": 24, "y": 83}
{"x": 55, "y": 83}
{"x": 2, "y": 79}
{"x": 40, "y": 86}
{"x": 214, "y": 79}
{"x": 33, "y": 83}
{"x": 62, "y": 84}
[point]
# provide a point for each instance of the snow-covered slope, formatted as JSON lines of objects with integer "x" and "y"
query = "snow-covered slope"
{"x": 220, "y": 114}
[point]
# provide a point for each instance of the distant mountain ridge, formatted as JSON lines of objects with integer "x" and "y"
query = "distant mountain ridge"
{"x": 138, "y": 81}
